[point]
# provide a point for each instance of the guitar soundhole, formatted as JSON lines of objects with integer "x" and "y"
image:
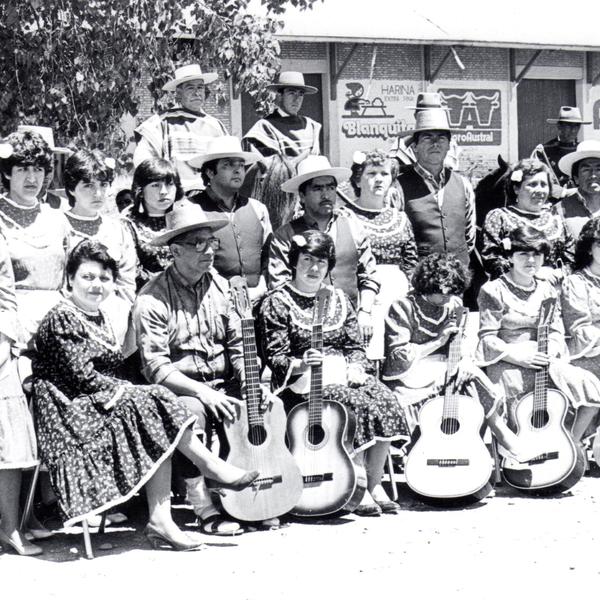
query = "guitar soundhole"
{"x": 315, "y": 434}
{"x": 539, "y": 418}
{"x": 257, "y": 435}
{"x": 450, "y": 426}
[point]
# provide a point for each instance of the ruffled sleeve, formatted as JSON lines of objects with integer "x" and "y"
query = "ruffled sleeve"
{"x": 491, "y": 348}
{"x": 494, "y": 230}
{"x": 8, "y": 302}
{"x": 400, "y": 351}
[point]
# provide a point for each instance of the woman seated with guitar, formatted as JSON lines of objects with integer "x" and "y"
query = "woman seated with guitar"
{"x": 418, "y": 329}
{"x": 286, "y": 323}
{"x": 581, "y": 309}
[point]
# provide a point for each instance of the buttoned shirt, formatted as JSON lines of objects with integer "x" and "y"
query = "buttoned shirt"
{"x": 193, "y": 329}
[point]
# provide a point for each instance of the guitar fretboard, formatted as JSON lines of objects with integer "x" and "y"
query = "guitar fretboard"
{"x": 450, "y": 410}
{"x": 540, "y": 390}
{"x": 315, "y": 398}
{"x": 252, "y": 373}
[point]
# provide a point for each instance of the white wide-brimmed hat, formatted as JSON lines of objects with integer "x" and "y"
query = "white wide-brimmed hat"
{"x": 314, "y": 166}
{"x": 569, "y": 114}
{"x": 186, "y": 216}
{"x": 427, "y": 101}
{"x": 291, "y": 79}
{"x": 586, "y": 149}
{"x": 225, "y": 146}
{"x": 47, "y": 135}
{"x": 188, "y": 73}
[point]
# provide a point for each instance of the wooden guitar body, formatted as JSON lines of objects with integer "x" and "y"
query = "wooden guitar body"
{"x": 262, "y": 448}
{"x": 452, "y": 464}
{"x": 332, "y": 480}
{"x": 560, "y": 463}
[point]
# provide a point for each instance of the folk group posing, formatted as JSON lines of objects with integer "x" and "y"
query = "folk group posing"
{"x": 127, "y": 342}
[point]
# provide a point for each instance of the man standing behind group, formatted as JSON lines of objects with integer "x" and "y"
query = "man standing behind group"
{"x": 181, "y": 132}
{"x": 241, "y": 243}
{"x": 439, "y": 203}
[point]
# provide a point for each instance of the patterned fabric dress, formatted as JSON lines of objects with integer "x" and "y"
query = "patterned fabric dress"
{"x": 151, "y": 259}
{"x": 285, "y": 327}
{"x": 501, "y": 221}
{"x": 412, "y": 322}
{"x": 509, "y": 316}
{"x": 100, "y": 437}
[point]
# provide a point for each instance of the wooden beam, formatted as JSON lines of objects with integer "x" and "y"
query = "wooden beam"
{"x": 439, "y": 67}
{"x": 427, "y": 62}
{"x": 335, "y": 75}
{"x": 332, "y": 69}
{"x": 527, "y": 66}
{"x": 512, "y": 63}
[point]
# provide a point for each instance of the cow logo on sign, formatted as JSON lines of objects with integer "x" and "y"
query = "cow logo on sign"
{"x": 475, "y": 116}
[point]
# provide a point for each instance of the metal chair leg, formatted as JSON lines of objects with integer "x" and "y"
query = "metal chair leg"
{"x": 87, "y": 541}
{"x": 102, "y": 524}
{"x": 30, "y": 496}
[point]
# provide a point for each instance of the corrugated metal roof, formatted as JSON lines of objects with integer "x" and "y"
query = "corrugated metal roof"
{"x": 573, "y": 24}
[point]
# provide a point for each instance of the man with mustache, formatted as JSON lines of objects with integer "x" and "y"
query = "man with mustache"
{"x": 223, "y": 168}
{"x": 354, "y": 271}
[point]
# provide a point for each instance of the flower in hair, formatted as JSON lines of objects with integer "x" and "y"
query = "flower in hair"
{"x": 6, "y": 150}
{"x": 506, "y": 244}
{"x": 299, "y": 240}
{"x": 359, "y": 157}
{"x": 110, "y": 163}
{"x": 517, "y": 176}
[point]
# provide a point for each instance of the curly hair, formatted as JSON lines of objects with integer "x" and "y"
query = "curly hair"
{"x": 590, "y": 233}
{"x": 528, "y": 167}
{"x": 85, "y": 165}
{"x": 441, "y": 273}
{"x": 522, "y": 239}
{"x": 376, "y": 158}
{"x": 317, "y": 244}
{"x": 90, "y": 251}
{"x": 149, "y": 171}
{"x": 29, "y": 149}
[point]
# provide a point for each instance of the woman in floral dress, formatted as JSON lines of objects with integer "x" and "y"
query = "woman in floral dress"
{"x": 527, "y": 191}
{"x": 155, "y": 187}
{"x": 509, "y": 311}
{"x": 285, "y": 329}
{"x": 389, "y": 231}
{"x": 87, "y": 178}
{"x": 101, "y": 437}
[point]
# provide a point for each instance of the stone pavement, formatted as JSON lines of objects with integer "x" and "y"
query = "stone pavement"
{"x": 508, "y": 546}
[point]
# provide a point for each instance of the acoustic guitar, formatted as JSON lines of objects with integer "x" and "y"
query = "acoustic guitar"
{"x": 320, "y": 433}
{"x": 449, "y": 460}
{"x": 544, "y": 419}
{"x": 257, "y": 437}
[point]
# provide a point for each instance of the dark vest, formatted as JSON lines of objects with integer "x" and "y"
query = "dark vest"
{"x": 241, "y": 241}
{"x": 435, "y": 230}
{"x": 346, "y": 257}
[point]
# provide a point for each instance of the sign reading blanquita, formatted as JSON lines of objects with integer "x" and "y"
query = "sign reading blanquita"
{"x": 373, "y": 114}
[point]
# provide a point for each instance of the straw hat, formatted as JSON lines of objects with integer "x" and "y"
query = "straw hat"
{"x": 314, "y": 166}
{"x": 428, "y": 100}
{"x": 188, "y": 73}
{"x": 186, "y": 216}
{"x": 225, "y": 146}
{"x": 291, "y": 79}
{"x": 47, "y": 135}
{"x": 586, "y": 149}
{"x": 569, "y": 114}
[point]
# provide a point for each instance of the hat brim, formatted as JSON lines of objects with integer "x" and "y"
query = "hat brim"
{"x": 164, "y": 238}
{"x": 197, "y": 161}
{"x": 206, "y": 78}
{"x": 339, "y": 173}
{"x": 277, "y": 87}
{"x": 569, "y": 121}
{"x": 565, "y": 164}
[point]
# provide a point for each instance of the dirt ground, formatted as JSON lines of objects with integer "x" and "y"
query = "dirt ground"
{"x": 508, "y": 546}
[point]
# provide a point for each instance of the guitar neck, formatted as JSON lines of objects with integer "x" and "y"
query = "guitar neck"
{"x": 315, "y": 397}
{"x": 540, "y": 390}
{"x": 252, "y": 373}
{"x": 450, "y": 409}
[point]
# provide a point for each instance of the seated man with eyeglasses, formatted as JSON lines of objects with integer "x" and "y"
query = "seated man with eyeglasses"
{"x": 189, "y": 338}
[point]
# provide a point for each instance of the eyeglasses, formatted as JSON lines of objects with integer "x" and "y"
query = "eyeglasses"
{"x": 204, "y": 245}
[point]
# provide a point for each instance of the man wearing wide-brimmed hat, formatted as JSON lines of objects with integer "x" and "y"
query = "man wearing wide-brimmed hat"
{"x": 223, "y": 168}
{"x": 583, "y": 167}
{"x": 354, "y": 271}
{"x": 189, "y": 336}
{"x": 183, "y": 131}
{"x": 568, "y": 123}
{"x": 438, "y": 201}
{"x": 283, "y": 138}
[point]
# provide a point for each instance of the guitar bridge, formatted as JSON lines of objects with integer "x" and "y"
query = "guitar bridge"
{"x": 319, "y": 478}
{"x": 543, "y": 458}
{"x": 263, "y": 483}
{"x": 447, "y": 462}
